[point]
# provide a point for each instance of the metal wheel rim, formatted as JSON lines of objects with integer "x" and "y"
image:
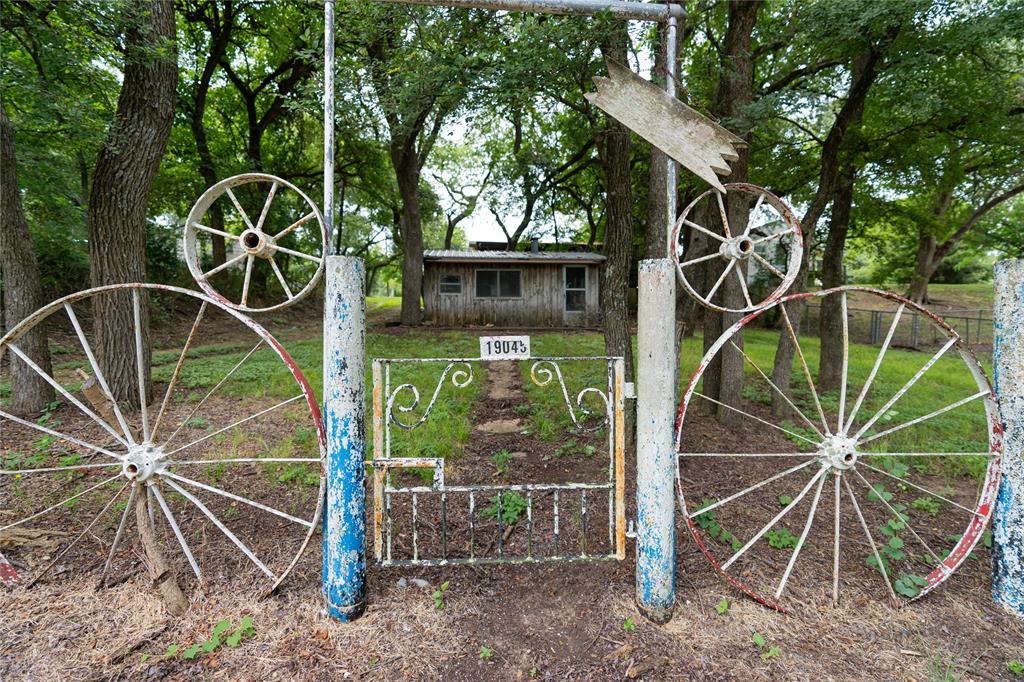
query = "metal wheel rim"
{"x": 792, "y": 232}
{"x": 988, "y": 489}
{"x": 306, "y": 393}
{"x": 193, "y": 226}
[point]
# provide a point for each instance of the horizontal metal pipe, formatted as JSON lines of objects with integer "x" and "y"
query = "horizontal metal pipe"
{"x": 621, "y": 9}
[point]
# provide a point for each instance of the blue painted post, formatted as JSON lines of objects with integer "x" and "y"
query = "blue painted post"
{"x": 344, "y": 576}
{"x": 1008, "y": 356}
{"x": 655, "y": 451}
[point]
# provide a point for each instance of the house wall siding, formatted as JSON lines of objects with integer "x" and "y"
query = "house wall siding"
{"x": 542, "y": 303}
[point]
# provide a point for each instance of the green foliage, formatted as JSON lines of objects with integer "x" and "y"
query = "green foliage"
{"x": 628, "y": 625}
{"x": 438, "y": 595}
{"x": 513, "y": 505}
{"x": 486, "y": 652}
{"x": 927, "y": 504}
{"x": 500, "y": 460}
{"x": 1015, "y": 667}
{"x": 909, "y": 585}
{"x": 722, "y": 607}
{"x": 224, "y": 632}
{"x": 572, "y": 448}
{"x": 781, "y": 538}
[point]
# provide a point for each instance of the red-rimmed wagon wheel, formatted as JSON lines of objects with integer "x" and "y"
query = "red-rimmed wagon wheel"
{"x": 882, "y": 484}
{"x": 227, "y": 449}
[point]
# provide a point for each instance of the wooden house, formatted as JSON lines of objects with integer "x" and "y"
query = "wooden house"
{"x": 512, "y": 288}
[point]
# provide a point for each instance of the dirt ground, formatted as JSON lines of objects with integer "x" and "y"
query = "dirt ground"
{"x": 548, "y": 621}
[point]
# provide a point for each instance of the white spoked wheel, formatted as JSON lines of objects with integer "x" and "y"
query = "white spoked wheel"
{"x": 882, "y": 484}
{"x": 287, "y": 239}
{"x": 227, "y": 451}
{"x": 767, "y": 247}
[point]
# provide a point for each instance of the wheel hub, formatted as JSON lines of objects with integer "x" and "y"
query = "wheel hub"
{"x": 257, "y": 243}
{"x": 737, "y": 248}
{"x": 839, "y": 452}
{"x": 142, "y": 462}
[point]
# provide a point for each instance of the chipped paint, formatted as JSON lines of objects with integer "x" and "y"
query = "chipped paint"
{"x": 655, "y": 456}
{"x": 344, "y": 543}
{"x": 1008, "y": 360}
{"x": 8, "y": 576}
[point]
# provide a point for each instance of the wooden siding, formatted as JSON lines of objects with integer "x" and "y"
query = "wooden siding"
{"x": 542, "y": 303}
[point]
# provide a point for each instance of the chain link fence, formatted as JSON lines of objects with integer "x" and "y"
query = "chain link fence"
{"x": 913, "y": 330}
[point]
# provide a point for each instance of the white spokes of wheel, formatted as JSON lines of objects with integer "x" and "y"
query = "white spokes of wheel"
{"x": 232, "y": 480}
{"x": 761, "y": 253}
{"x": 274, "y": 237}
{"x": 883, "y": 480}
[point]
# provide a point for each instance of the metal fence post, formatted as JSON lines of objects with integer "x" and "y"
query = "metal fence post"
{"x": 1008, "y": 360}
{"x": 655, "y": 451}
{"x": 344, "y": 554}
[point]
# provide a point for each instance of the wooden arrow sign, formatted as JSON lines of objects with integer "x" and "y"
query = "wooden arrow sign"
{"x": 695, "y": 141}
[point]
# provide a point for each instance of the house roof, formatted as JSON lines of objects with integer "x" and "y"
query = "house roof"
{"x": 554, "y": 257}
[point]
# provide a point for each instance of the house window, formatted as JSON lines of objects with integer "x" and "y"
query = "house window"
{"x": 575, "y": 289}
{"x": 451, "y": 284}
{"x": 499, "y": 284}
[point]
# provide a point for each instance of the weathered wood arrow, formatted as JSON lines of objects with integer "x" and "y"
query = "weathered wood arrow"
{"x": 695, "y": 141}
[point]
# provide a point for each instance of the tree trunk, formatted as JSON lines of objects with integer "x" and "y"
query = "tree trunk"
{"x": 830, "y": 368}
{"x": 23, "y": 292}
{"x": 407, "y": 172}
{"x": 128, "y": 160}
{"x": 924, "y": 267}
{"x": 656, "y": 233}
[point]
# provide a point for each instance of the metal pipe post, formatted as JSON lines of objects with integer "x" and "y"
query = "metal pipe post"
{"x": 344, "y": 571}
{"x": 671, "y": 73}
{"x": 1008, "y": 359}
{"x": 655, "y": 451}
{"x": 329, "y": 119}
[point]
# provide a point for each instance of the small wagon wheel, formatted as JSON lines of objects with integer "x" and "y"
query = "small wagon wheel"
{"x": 901, "y": 497}
{"x": 287, "y": 236}
{"x": 769, "y": 239}
{"x": 233, "y": 475}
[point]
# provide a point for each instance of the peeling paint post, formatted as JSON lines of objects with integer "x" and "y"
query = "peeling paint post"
{"x": 344, "y": 572}
{"x": 655, "y": 451}
{"x": 1008, "y": 360}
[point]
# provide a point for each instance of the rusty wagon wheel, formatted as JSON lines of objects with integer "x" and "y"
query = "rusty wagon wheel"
{"x": 770, "y": 240}
{"x": 287, "y": 238}
{"x": 899, "y": 462}
{"x": 227, "y": 450}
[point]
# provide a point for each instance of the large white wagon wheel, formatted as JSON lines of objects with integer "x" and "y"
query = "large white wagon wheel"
{"x": 214, "y": 449}
{"x": 289, "y": 226}
{"x": 896, "y": 515}
{"x": 770, "y": 241}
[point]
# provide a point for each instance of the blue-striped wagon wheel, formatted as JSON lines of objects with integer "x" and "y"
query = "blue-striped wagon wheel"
{"x": 227, "y": 453}
{"x": 288, "y": 234}
{"x": 899, "y": 464}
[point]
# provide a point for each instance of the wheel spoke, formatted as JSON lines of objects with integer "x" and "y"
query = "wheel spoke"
{"x": 756, "y": 486}
{"x": 724, "y": 214}
{"x": 778, "y": 390}
{"x": 705, "y": 230}
{"x": 177, "y": 531}
{"x": 97, "y": 373}
{"x": 207, "y": 396}
{"x": 61, "y": 503}
{"x": 803, "y": 537}
{"x": 281, "y": 280}
{"x": 701, "y": 259}
{"x": 895, "y": 513}
{"x": 764, "y": 261}
{"x": 119, "y": 534}
{"x": 177, "y": 370}
{"x": 972, "y": 512}
{"x": 226, "y": 264}
{"x": 835, "y": 538}
{"x": 139, "y": 364}
{"x": 928, "y": 454}
{"x": 231, "y": 536}
{"x": 298, "y": 223}
{"x": 238, "y": 207}
{"x": 298, "y": 254}
{"x": 78, "y": 538}
{"x": 758, "y": 419}
{"x": 743, "y": 287}
{"x": 248, "y": 276}
{"x": 219, "y": 233}
{"x": 771, "y": 237}
{"x": 846, "y": 364}
{"x": 58, "y": 434}
{"x": 757, "y": 205}
{"x": 871, "y": 541}
{"x": 266, "y": 206}
{"x": 903, "y": 389}
{"x": 742, "y": 454}
{"x": 237, "y": 498}
{"x": 50, "y": 470}
{"x": 70, "y": 398}
{"x": 778, "y": 517}
{"x": 807, "y": 370}
{"x": 237, "y": 423}
{"x": 936, "y": 413}
{"x": 874, "y": 369}
{"x": 721, "y": 279}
